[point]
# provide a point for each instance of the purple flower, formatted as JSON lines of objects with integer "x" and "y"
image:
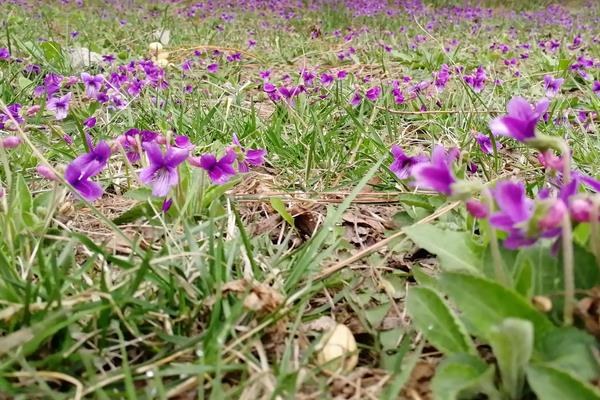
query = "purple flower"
{"x": 342, "y": 74}
{"x": 326, "y": 79}
{"x": 183, "y": 142}
{"x": 4, "y": 54}
{"x": 265, "y": 75}
{"x": 441, "y": 78}
{"x": 166, "y": 205}
{"x": 162, "y": 173}
{"x": 435, "y": 174}
{"x": 515, "y": 206}
{"x": 403, "y": 163}
{"x": 477, "y": 209}
{"x": 92, "y": 84}
{"x": 248, "y": 157}
{"x": 373, "y": 93}
{"x": 596, "y": 87}
{"x": 356, "y": 99}
{"x": 551, "y": 85}
{"x": 521, "y": 119}
{"x": 90, "y": 122}
{"x": 477, "y": 80}
{"x": 485, "y": 143}
{"x": 87, "y": 165}
{"x": 14, "y": 112}
{"x": 219, "y": 170}
{"x": 268, "y": 87}
{"x": 212, "y": 68}
{"x": 59, "y": 106}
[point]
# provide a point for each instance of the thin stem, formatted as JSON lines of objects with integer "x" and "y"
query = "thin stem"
{"x": 499, "y": 269}
{"x": 6, "y": 167}
{"x": 567, "y": 243}
{"x": 568, "y": 269}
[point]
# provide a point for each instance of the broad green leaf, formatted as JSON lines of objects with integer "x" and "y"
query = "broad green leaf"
{"x": 570, "y": 350}
{"x": 485, "y": 303}
{"x": 281, "y": 209}
{"x": 423, "y": 278}
{"x": 512, "y": 343}
{"x": 463, "y": 376}
{"x": 550, "y": 383}
{"x": 437, "y": 322}
{"x": 453, "y": 249}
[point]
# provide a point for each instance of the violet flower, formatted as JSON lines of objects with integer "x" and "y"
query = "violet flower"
{"x": 248, "y": 157}
{"x": 521, "y": 120}
{"x": 373, "y": 93}
{"x": 212, "y": 68}
{"x": 515, "y": 210}
{"x": 356, "y": 99}
{"x": 552, "y": 85}
{"x": 162, "y": 173}
{"x": 59, "y": 106}
{"x": 92, "y": 84}
{"x": 219, "y": 170}
{"x": 485, "y": 143}
{"x": 4, "y": 54}
{"x": 403, "y": 164}
{"x": 435, "y": 174}
{"x": 87, "y": 165}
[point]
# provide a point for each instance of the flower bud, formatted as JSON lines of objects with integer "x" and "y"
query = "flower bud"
{"x": 45, "y": 172}
{"x": 10, "y": 142}
{"x": 477, "y": 209}
{"x": 581, "y": 209}
{"x": 33, "y": 110}
{"x": 554, "y": 216}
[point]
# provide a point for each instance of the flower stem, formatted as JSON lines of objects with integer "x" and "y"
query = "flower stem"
{"x": 568, "y": 269}
{"x": 499, "y": 270}
{"x": 567, "y": 243}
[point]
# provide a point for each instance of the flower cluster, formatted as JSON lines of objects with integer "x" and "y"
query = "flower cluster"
{"x": 508, "y": 208}
{"x": 161, "y": 159}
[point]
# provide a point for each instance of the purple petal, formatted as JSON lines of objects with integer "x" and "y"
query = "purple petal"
{"x": 511, "y": 199}
{"x": 519, "y": 108}
{"x": 155, "y": 155}
{"x": 175, "y": 156}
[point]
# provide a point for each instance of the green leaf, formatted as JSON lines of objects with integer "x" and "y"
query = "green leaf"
{"x": 570, "y": 350}
{"x": 52, "y": 51}
{"x": 512, "y": 343}
{"x": 134, "y": 213}
{"x": 423, "y": 278}
{"x": 485, "y": 304}
{"x": 437, "y": 322}
{"x": 139, "y": 194}
{"x": 281, "y": 209}
{"x": 524, "y": 278}
{"x": 463, "y": 376}
{"x": 452, "y": 248}
{"x": 550, "y": 383}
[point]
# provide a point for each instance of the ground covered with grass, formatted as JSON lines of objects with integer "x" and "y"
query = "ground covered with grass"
{"x": 282, "y": 199}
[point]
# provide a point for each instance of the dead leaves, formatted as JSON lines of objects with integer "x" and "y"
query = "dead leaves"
{"x": 259, "y": 297}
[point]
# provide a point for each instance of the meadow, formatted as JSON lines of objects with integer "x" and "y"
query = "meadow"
{"x": 286, "y": 199}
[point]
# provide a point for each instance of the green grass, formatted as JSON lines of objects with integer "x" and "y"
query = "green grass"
{"x": 116, "y": 299}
